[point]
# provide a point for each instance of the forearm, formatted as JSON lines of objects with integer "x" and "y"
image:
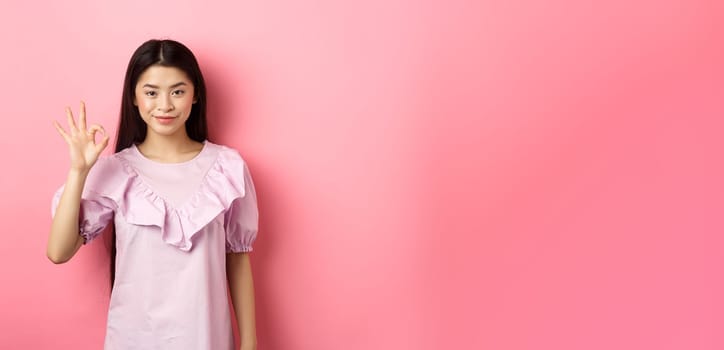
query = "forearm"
{"x": 64, "y": 239}
{"x": 241, "y": 287}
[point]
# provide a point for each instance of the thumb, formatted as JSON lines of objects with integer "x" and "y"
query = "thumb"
{"x": 102, "y": 145}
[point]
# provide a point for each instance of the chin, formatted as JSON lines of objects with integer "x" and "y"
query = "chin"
{"x": 165, "y": 131}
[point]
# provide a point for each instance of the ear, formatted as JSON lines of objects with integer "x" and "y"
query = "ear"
{"x": 135, "y": 103}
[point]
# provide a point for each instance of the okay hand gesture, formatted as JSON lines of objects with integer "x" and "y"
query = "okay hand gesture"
{"x": 84, "y": 151}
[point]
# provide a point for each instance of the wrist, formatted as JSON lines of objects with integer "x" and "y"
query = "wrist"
{"x": 248, "y": 343}
{"x": 81, "y": 174}
{"x": 245, "y": 346}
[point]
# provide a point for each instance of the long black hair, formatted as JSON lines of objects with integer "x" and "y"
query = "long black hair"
{"x": 131, "y": 127}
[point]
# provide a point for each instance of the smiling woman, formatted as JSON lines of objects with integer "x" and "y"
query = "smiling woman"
{"x": 164, "y": 97}
{"x": 183, "y": 210}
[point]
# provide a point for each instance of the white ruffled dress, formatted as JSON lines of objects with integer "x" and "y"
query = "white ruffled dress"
{"x": 174, "y": 222}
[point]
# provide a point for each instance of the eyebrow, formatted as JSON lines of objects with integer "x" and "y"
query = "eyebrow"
{"x": 156, "y": 87}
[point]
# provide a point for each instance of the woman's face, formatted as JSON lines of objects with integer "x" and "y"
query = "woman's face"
{"x": 164, "y": 97}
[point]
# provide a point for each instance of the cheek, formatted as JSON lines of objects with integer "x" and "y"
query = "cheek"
{"x": 188, "y": 102}
{"x": 143, "y": 105}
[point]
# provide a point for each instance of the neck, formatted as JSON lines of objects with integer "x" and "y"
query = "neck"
{"x": 168, "y": 148}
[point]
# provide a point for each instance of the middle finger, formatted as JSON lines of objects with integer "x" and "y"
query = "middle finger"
{"x": 81, "y": 120}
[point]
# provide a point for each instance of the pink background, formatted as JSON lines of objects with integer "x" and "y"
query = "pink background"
{"x": 431, "y": 174}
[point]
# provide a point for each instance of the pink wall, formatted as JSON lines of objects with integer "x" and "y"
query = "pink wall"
{"x": 431, "y": 175}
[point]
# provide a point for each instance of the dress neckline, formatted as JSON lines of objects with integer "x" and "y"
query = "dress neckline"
{"x": 140, "y": 155}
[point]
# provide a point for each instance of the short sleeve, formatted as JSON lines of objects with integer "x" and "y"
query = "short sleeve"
{"x": 94, "y": 216}
{"x": 96, "y": 210}
{"x": 241, "y": 220}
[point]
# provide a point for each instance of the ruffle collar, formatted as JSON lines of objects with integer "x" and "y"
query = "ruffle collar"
{"x": 139, "y": 205}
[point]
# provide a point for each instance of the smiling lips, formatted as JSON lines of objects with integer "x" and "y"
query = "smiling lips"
{"x": 165, "y": 119}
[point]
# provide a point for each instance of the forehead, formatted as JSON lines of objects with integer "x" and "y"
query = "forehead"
{"x": 162, "y": 76}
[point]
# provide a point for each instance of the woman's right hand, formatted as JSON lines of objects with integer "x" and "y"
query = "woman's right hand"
{"x": 84, "y": 151}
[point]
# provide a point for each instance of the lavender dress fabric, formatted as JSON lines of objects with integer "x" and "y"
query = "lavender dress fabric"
{"x": 174, "y": 225}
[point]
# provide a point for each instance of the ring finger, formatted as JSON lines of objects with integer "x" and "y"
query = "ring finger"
{"x": 71, "y": 123}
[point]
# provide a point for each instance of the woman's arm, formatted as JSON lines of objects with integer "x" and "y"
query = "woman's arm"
{"x": 241, "y": 286}
{"x": 65, "y": 238}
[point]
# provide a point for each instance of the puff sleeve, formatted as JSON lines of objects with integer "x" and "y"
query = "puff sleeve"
{"x": 241, "y": 221}
{"x": 96, "y": 209}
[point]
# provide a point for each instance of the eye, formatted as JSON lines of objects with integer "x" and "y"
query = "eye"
{"x": 150, "y": 93}
{"x": 178, "y": 92}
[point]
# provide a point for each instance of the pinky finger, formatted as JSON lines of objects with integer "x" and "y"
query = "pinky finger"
{"x": 61, "y": 131}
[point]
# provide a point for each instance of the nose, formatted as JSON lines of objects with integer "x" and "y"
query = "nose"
{"x": 164, "y": 104}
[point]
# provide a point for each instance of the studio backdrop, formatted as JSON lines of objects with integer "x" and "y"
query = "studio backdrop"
{"x": 451, "y": 174}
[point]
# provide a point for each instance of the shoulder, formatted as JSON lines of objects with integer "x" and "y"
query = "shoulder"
{"x": 228, "y": 174}
{"x": 108, "y": 172}
{"x": 108, "y": 165}
{"x": 226, "y": 155}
